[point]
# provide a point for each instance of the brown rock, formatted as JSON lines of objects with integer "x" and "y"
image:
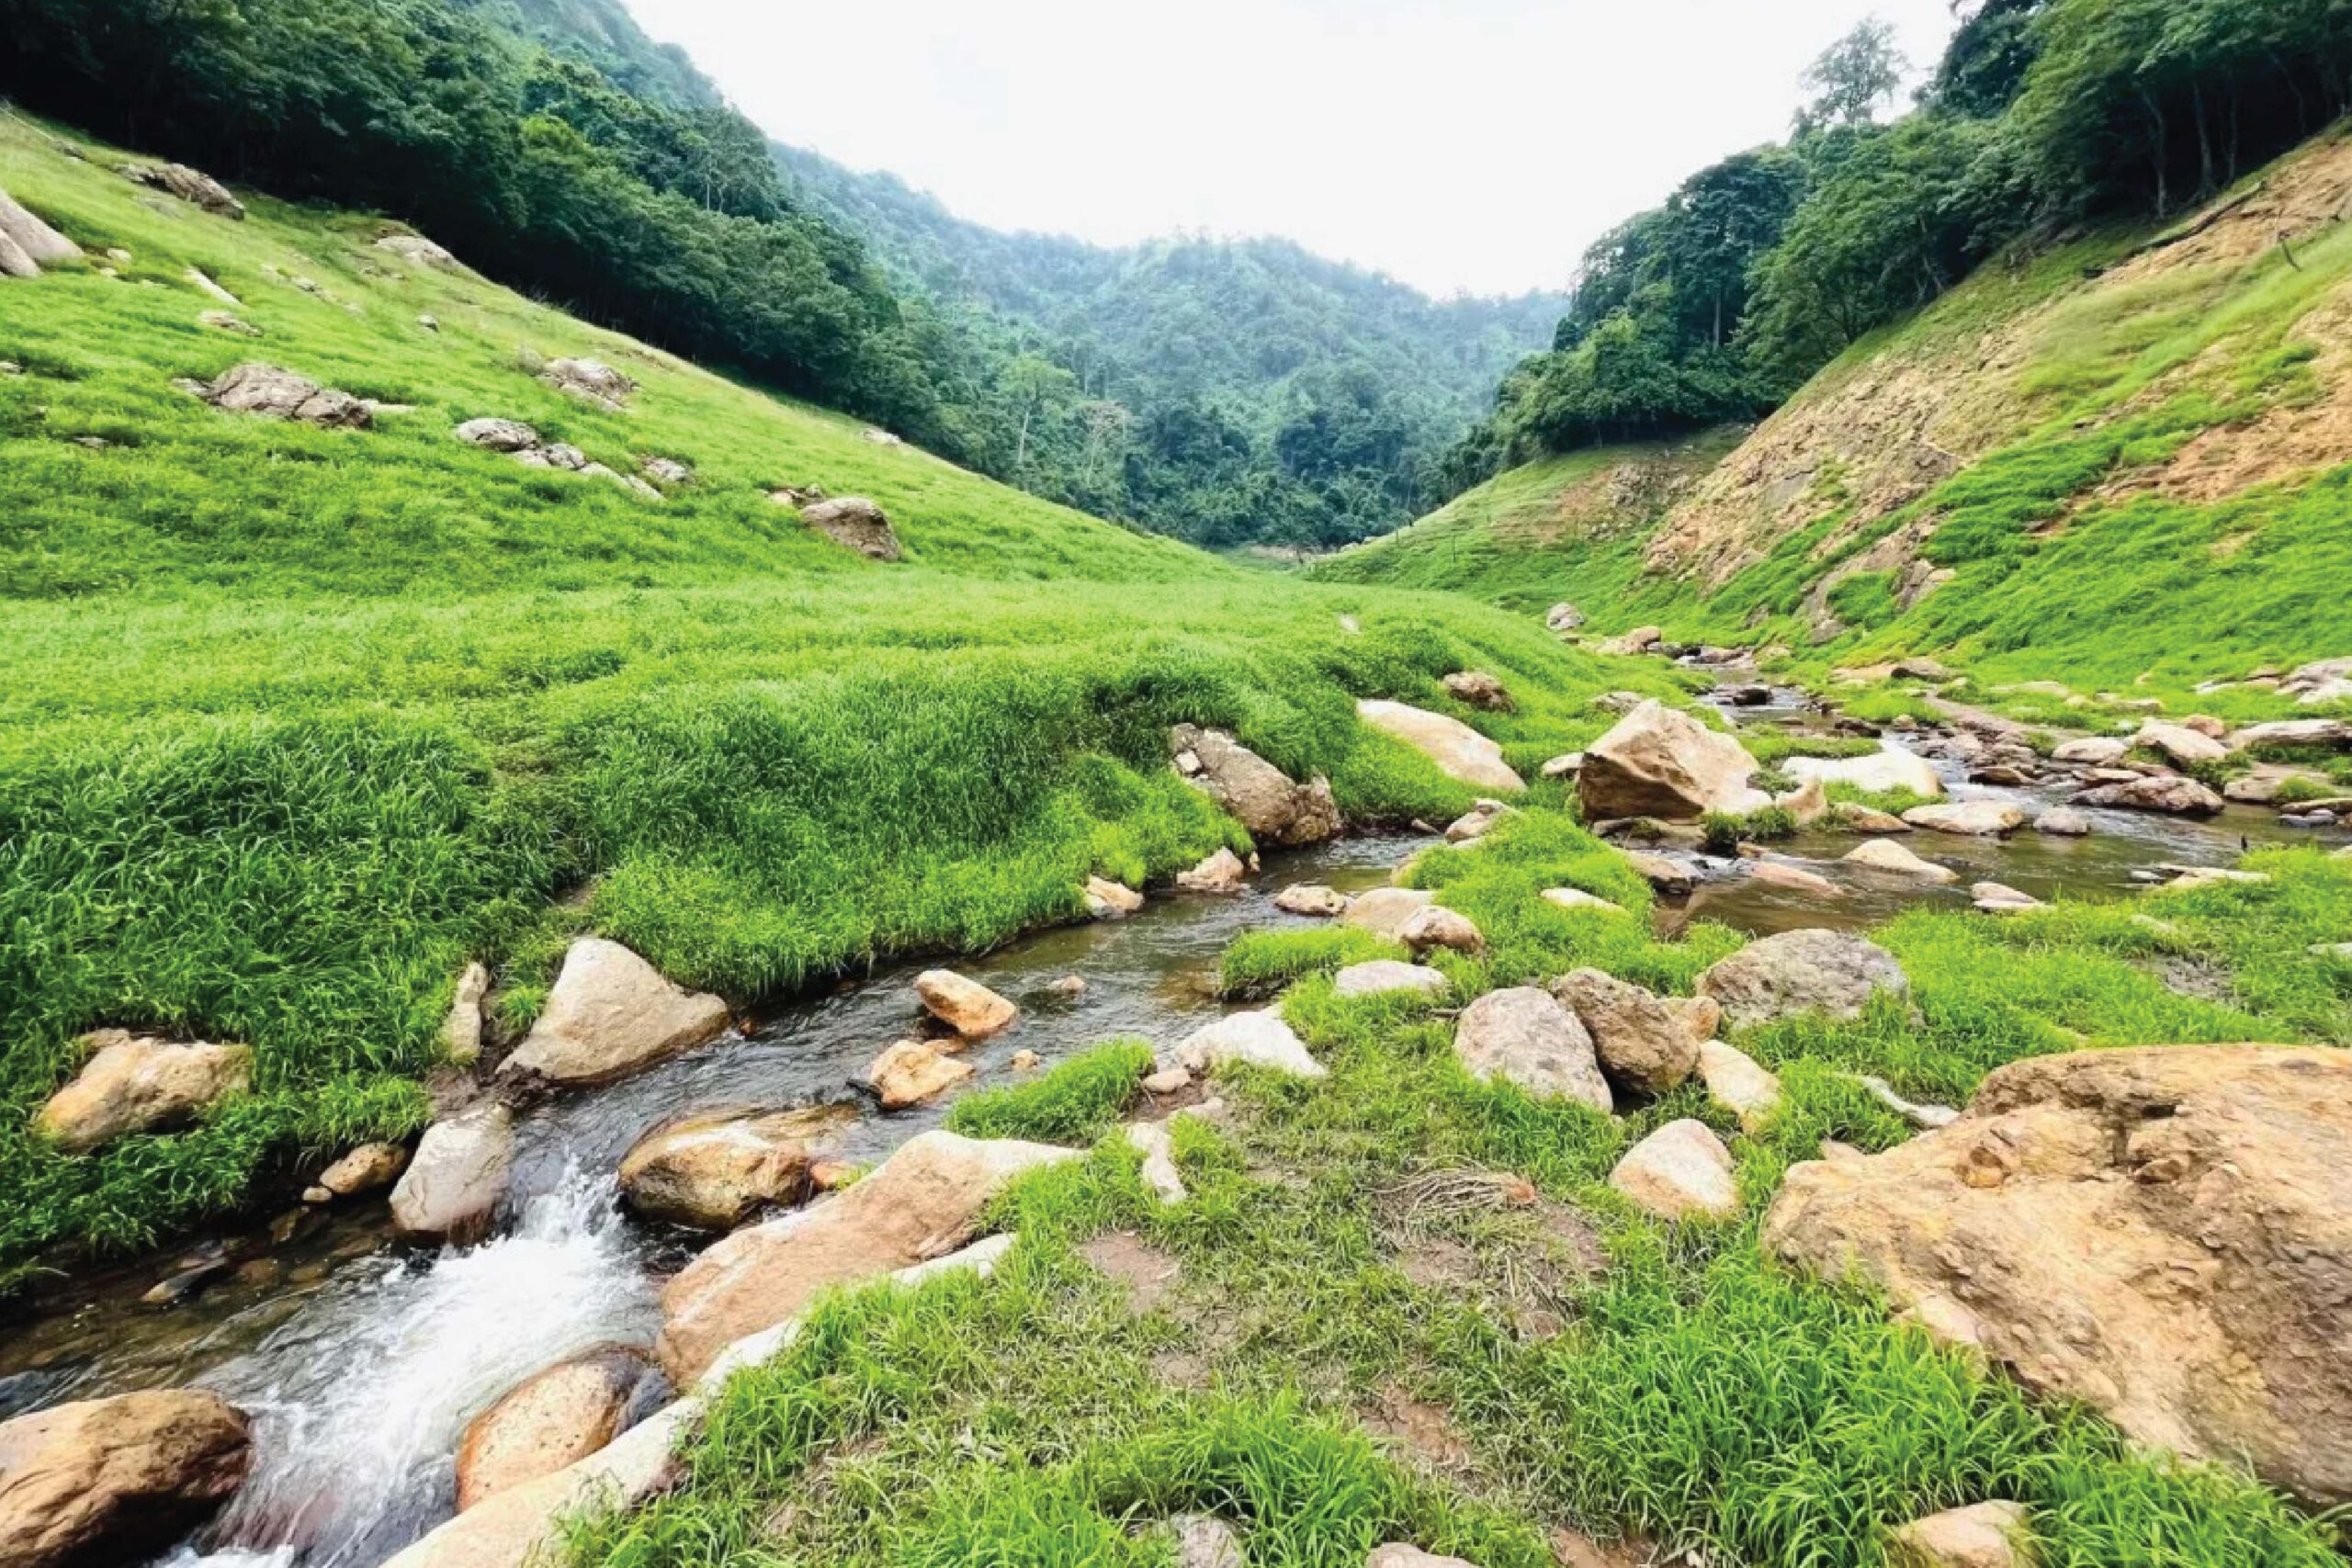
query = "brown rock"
{"x": 966, "y": 1005}
{"x": 857, "y": 522}
{"x": 1108, "y": 900}
{"x": 1681, "y": 1171}
{"x": 1476, "y": 823}
{"x": 1253, "y": 791}
{"x": 1968, "y": 819}
{"x": 1881, "y": 855}
{"x": 137, "y": 1084}
{"x": 1312, "y": 899}
{"x": 1988, "y": 1535}
{"x": 1385, "y": 911}
{"x": 2162, "y": 1234}
{"x": 554, "y": 1420}
{"x": 1646, "y": 1044}
{"x": 1663, "y": 763}
{"x": 1460, "y": 751}
{"x": 1475, "y": 688}
{"x": 922, "y": 1203}
{"x": 591, "y": 381}
{"x": 914, "y": 1071}
{"x": 191, "y": 185}
{"x": 115, "y": 1481}
{"x": 367, "y": 1168}
{"x": 715, "y": 1169}
{"x": 1738, "y": 1083}
{"x": 611, "y": 1014}
{"x": 1221, "y": 875}
{"x": 1433, "y": 927}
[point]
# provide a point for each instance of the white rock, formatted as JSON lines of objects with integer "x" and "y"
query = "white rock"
{"x": 1459, "y": 750}
{"x": 1253, "y": 1039}
{"x": 1681, "y": 1171}
{"x": 611, "y": 1014}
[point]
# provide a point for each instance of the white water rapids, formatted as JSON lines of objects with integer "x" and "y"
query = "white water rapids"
{"x": 360, "y": 1401}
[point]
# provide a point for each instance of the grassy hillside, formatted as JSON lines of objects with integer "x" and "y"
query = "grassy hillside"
{"x": 2117, "y": 461}
{"x": 295, "y": 721}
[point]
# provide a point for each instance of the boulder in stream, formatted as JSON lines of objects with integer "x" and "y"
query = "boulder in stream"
{"x": 2163, "y": 792}
{"x": 1108, "y": 900}
{"x": 1222, "y": 874}
{"x": 2184, "y": 746}
{"x": 1663, "y": 763}
{"x": 139, "y": 1084}
{"x": 964, "y": 1005}
{"x": 370, "y": 1168}
{"x": 556, "y": 1419}
{"x": 921, "y": 1203}
{"x": 2164, "y": 1234}
{"x": 454, "y": 1185}
{"x": 1884, "y": 854}
{"x": 1887, "y": 771}
{"x": 1968, "y": 819}
{"x": 715, "y": 1169}
{"x": 103, "y": 1481}
{"x": 1460, "y": 751}
{"x": 611, "y": 1014}
{"x": 1312, "y": 900}
{"x": 913, "y": 1072}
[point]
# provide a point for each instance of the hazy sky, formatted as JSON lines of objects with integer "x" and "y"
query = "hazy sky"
{"x": 1473, "y": 145}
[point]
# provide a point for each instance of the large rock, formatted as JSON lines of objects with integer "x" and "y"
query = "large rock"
{"x": 370, "y": 1168}
{"x": 2164, "y": 1234}
{"x": 1253, "y": 1039}
{"x": 1478, "y": 689}
{"x": 14, "y": 263}
{"x": 1222, "y": 874}
{"x": 1386, "y": 976}
{"x": 453, "y": 1186}
{"x": 591, "y": 381}
{"x": 190, "y": 186}
{"x": 115, "y": 1481}
{"x": 921, "y": 1203}
{"x": 714, "y": 1170}
{"x": 1663, "y": 763}
{"x": 857, "y": 523}
{"x": 1387, "y": 912}
{"x": 555, "y": 1419}
{"x": 1885, "y": 854}
{"x": 136, "y": 1084}
{"x": 416, "y": 250}
{"x": 2093, "y": 751}
{"x": 1739, "y": 1084}
{"x": 1986, "y": 1535}
{"x": 1563, "y": 618}
{"x": 1646, "y": 1044}
{"x": 34, "y": 240}
{"x": 1886, "y": 772}
{"x": 1523, "y": 1036}
{"x": 1968, "y": 819}
{"x": 913, "y": 1072}
{"x": 1312, "y": 899}
{"x": 499, "y": 435}
{"x": 1681, "y": 1171}
{"x": 1435, "y": 928}
{"x": 1826, "y": 972}
{"x": 1258, "y": 795}
{"x": 1108, "y": 900}
{"x": 611, "y": 1014}
{"x": 2327, "y": 734}
{"x": 281, "y": 394}
{"x": 2173, "y": 796}
{"x": 964, "y": 1005}
{"x": 1460, "y": 751}
{"x": 2325, "y": 680}
{"x": 2183, "y": 744}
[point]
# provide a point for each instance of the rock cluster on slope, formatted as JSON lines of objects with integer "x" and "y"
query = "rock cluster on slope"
{"x": 1276, "y": 810}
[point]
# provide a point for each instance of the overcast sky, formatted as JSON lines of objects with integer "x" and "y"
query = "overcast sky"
{"x": 1461, "y": 145}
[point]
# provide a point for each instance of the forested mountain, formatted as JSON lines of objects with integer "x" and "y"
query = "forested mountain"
{"x": 2043, "y": 118}
{"x": 1226, "y": 393}
{"x": 1227, "y": 390}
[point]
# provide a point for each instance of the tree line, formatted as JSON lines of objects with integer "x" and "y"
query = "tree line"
{"x": 2041, "y": 116}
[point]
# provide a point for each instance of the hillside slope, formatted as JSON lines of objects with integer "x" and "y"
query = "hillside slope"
{"x": 2117, "y": 461}
{"x": 297, "y": 720}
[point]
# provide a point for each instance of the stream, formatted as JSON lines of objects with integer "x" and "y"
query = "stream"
{"x": 361, "y": 1361}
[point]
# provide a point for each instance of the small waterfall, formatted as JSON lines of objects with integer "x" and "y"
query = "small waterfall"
{"x": 359, "y": 1403}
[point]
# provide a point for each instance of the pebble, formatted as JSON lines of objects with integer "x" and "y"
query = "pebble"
{"x": 1170, "y": 1080}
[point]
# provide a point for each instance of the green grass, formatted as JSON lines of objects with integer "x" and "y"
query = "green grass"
{"x": 1264, "y": 962}
{"x": 1689, "y": 1392}
{"x": 2131, "y": 591}
{"x": 1076, "y": 1103}
{"x": 296, "y": 722}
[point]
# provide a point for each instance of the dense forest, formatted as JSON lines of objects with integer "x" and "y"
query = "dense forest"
{"x": 1227, "y": 393}
{"x": 2044, "y": 115}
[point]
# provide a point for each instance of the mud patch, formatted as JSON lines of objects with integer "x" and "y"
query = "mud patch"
{"x": 2198, "y": 979}
{"x": 1419, "y": 1426}
{"x": 1147, "y": 1273}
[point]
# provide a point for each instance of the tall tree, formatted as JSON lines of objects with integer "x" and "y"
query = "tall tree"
{"x": 1853, "y": 79}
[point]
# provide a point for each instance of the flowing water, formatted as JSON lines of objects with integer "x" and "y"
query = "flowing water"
{"x": 361, "y": 1363}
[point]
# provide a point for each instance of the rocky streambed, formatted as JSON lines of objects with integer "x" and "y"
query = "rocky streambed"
{"x": 362, "y": 1361}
